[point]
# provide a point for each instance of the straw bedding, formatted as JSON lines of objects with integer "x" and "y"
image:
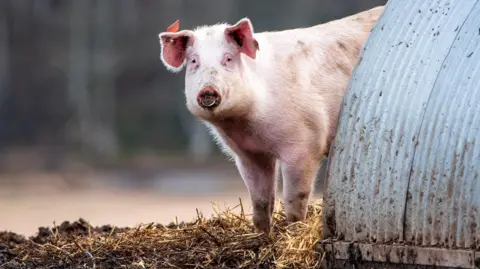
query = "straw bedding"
{"x": 224, "y": 240}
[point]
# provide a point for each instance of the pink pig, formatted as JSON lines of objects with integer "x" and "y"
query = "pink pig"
{"x": 270, "y": 99}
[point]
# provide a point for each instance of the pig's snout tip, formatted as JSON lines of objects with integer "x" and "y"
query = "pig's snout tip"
{"x": 209, "y": 97}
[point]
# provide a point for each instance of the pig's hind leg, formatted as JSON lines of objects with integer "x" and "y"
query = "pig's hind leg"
{"x": 259, "y": 173}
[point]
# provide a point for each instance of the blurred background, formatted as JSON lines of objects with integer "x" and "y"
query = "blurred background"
{"x": 91, "y": 123}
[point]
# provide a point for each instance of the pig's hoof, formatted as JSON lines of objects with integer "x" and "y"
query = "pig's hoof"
{"x": 295, "y": 217}
{"x": 209, "y": 98}
{"x": 262, "y": 225}
{"x": 265, "y": 230}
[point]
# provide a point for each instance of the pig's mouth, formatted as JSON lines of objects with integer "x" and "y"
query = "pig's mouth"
{"x": 209, "y": 98}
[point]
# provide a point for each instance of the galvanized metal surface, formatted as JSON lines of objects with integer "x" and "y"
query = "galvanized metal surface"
{"x": 405, "y": 164}
{"x": 444, "y": 192}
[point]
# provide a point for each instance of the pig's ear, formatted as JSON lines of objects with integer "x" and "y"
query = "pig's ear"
{"x": 173, "y": 48}
{"x": 242, "y": 34}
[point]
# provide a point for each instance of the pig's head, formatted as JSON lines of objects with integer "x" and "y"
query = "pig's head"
{"x": 215, "y": 58}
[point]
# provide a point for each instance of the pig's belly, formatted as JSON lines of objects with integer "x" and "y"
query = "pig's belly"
{"x": 251, "y": 143}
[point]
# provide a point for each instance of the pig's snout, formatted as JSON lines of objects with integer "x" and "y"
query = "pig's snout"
{"x": 209, "y": 97}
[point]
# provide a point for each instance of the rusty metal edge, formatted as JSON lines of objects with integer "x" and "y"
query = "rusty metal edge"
{"x": 401, "y": 254}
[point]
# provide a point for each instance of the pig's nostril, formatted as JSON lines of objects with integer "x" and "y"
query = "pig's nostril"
{"x": 209, "y": 98}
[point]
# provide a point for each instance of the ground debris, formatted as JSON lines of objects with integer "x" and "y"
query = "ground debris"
{"x": 226, "y": 240}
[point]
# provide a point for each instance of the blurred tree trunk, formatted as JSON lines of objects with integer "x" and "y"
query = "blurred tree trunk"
{"x": 79, "y": 76}
{"x": 92, "y": 75}
{"x": 4, "y": 52}
{"x": 42, "y": 10}
{"x": 104, "y": 73}
{"x": 129, "y": 16}
{"x": 22, "y": 62}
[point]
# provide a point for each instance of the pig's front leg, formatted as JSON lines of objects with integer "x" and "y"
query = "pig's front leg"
{"x": 298, "y": 177}
{"x": 259, "y": 173}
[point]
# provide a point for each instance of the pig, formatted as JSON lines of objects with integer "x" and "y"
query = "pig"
{"x": 270, "y": 99}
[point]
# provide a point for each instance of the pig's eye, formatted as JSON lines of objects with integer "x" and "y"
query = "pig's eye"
{"x": 193, "y": 63}
{"x": 227, "y": 59}
{"x": 193, "y": 59}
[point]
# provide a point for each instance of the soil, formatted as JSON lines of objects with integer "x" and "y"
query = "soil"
{"x": 45, "y": 235}
{"x": 10, "y": 240}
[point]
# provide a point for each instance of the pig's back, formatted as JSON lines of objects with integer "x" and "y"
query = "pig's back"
{"x": 318, "y": 58}
{"x": 344, "y": 36}
{"x": 312, "y": 67}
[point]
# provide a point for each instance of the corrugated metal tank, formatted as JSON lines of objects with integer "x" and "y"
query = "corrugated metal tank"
{"x": 404, "y": 167}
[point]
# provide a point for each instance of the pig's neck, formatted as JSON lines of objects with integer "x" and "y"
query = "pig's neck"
{"x": 241, "y": 134}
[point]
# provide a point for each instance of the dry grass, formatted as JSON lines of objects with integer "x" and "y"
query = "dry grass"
{"x": 226, "y": 240}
